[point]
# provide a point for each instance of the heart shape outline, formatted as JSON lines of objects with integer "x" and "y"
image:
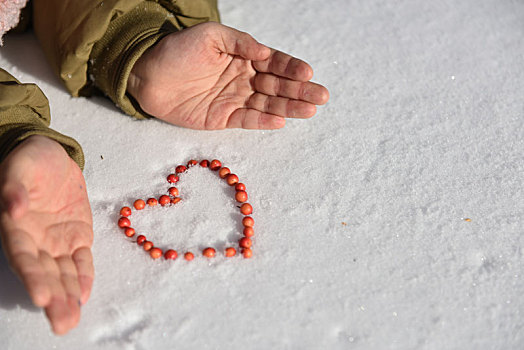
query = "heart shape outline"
{"x": 172, "y": 198}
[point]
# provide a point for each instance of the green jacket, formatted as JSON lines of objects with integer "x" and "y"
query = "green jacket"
{"x": 90, "y": 44}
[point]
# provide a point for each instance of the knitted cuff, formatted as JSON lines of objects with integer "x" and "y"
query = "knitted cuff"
{"x": 13, "y": 134}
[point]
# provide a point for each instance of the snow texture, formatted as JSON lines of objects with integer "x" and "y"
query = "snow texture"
{"x": 361, "y": 239}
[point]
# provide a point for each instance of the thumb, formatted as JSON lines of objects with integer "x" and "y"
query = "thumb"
{"x": 235, "y": 42}
{"x": 14, "y": 199}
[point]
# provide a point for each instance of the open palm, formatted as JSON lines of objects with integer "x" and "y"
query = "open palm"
{"x": 213, "y": 77}
{"x": 46, "y": 228}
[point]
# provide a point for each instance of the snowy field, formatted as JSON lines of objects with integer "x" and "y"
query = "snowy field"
{"x": 361, "y": 239}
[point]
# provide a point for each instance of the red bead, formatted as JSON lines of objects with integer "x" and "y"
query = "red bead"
{"x": 129, "y": 231}
{"x": 209, "y": 252}
{"x": 164, "y": 200}
{"x": 140, "y": 239}
{"x": 248, "y": 221}
{"x": 240, "y": 187}
{"x": 241, "y": 196}
{"x": 125, "y": 211}
{"x": 170, "y": 254}
{"x": 172, "y": 178}
{"x": 139, "y": 204}
{"x": 173, "y": 191}
{"x": 124, "y": 222}
{"x": 246, "y": 209}
{"x": 223, "y": 172}
{"x": 247, "y": 253}
{"x": 176, "y": 200}
{"x": 245, "y": 242}
{"x": 248, "y": 231}
{"x": 215, "y": 165}
{"x": 230, "y": 252}
{"x": 189, "y": 256}
{"x": 232, "y": 179}
{"x": 204, "y": 163}
{"x": 155, "y": 253}
{"x": 192, "y": 163}
{"x": 147, "y": 245}
{"x": 152, "y": 202}
{"x": 180, "y": 169}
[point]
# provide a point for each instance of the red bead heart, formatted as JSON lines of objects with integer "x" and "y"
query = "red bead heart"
{"x": 172, "y": 197}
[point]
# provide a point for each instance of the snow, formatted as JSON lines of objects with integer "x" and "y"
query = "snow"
{"x": 361, "y": 239}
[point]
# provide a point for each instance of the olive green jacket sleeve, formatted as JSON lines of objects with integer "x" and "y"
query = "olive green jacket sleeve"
{"x": 96, "y": 42}
{"x": 24, "y": 111}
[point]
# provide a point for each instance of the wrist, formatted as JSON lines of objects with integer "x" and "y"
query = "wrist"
{"x": 125, "y": 42}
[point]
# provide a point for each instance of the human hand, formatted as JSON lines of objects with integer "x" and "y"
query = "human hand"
{"x": 211, "y": 76}
{"x": 46, "y": 228}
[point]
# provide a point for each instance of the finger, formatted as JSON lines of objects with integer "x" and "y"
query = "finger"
{"x": 83, "y": 259}
{"x": 61, "y": 312}
{"x": 286, "y": 66}
{"x": 247, "y": 118}
{"x": 70, "y": 283}
{"x": 34, "y": 278}
{"x": 22, "y": 254}
{"x": 69, "y": 276}
{"x": 235, "y": 42}
{"x": 309, "y": 92}
{"x": 281, "y": 106}
{"x": 14, "y": 199}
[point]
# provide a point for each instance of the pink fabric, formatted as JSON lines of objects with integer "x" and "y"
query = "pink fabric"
{"x": 10, "y": 14}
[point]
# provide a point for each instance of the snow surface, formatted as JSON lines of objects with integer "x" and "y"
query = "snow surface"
{"x": 361, "y": 239}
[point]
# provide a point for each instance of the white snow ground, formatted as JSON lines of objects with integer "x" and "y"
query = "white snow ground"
{"x": 361, "y": 240}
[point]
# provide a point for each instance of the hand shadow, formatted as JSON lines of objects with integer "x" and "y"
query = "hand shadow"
{"x": 12, "y": 291}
